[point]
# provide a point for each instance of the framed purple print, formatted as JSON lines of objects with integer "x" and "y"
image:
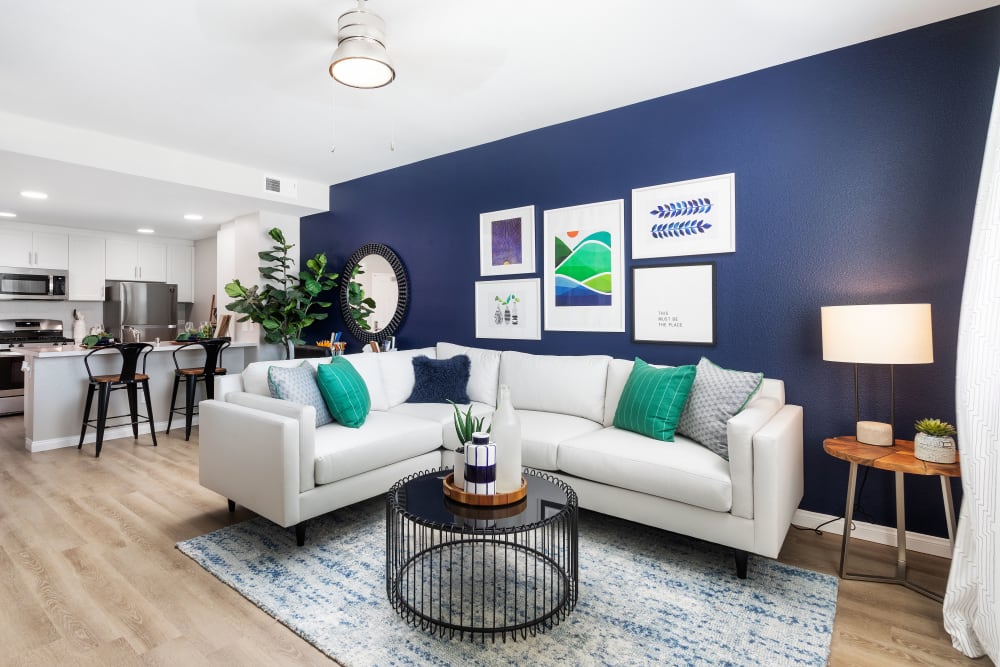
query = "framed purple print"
{"x": 507, "y": 242}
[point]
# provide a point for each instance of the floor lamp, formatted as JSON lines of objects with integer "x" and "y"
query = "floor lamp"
{"x": 878, "y": 334}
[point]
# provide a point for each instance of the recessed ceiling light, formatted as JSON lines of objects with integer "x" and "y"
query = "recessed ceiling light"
{"x": 193, "y": 216}
{"x": 144, "y": 230}
{"x": 34, "y": 194}
{"x": 7, "y": 214}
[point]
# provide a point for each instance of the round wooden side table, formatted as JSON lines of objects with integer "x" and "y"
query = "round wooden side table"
{"x": 899, "y": 459}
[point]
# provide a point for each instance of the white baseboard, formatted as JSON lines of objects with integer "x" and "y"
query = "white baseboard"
{"x": 109, "y": 434}
{"x": 871, "y": 532}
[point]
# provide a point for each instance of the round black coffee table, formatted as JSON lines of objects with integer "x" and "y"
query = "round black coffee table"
{"x": 478, "y": 572}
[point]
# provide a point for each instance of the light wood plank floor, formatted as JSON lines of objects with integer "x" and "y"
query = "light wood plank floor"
{"x": 89, "y": 574}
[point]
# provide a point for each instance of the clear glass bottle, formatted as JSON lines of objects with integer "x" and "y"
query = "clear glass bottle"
{"x": 506, "y": 432}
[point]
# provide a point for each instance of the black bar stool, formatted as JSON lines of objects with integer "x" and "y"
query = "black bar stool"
{"x": 127, "y": 379}
{"x": 192, "y": 376}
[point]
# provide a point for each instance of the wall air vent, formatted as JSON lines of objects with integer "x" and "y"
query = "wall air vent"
{"x": 280, "y": 186}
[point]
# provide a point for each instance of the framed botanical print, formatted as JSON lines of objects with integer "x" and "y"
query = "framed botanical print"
{"x": 509, "y": 309}
{"x": 695, "y": 217}
{"x": 507, "y": 242}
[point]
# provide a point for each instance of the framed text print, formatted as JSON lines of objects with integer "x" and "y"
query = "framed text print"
{"x": 696, "y": 217}
{"x": 507, "y": 241}
{"x": 509, "y": 309}
{"x": 674, "y": 304}
{"x": 584, "y": 267}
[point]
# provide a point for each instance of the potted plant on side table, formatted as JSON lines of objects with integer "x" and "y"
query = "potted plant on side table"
{"x": 282, "y": 306}
{"x": 935, "y": 441}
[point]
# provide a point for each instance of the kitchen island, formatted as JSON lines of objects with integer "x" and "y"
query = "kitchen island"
{"x": 55, "y": 390}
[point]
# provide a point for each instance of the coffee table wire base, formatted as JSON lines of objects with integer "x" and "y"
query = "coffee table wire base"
{"x": 480, "y": 580}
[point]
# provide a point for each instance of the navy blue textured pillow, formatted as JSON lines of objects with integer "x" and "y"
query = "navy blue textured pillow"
{"x": 440, "y": 380}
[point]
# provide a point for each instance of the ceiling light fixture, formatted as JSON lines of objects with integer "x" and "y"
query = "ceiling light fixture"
{"x": 193, "y": 216}
{"x": 361, "y": 59}
{"x": 7, "y": 214}
{"x": 34, "y": 194}
{"x": 145, "y": 230}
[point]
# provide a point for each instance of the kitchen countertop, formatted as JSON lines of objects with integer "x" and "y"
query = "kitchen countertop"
{"x": 76, "y": 351}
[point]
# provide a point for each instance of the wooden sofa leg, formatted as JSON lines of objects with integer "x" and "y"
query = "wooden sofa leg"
{"x": 741, "y": 563}
{"x": 300, "y": 533}
{"x": 232, "y": 505}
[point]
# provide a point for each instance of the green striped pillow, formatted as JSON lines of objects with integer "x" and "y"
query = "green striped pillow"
{"x": 653, "y": 400}
{"x": 344, "y": 392}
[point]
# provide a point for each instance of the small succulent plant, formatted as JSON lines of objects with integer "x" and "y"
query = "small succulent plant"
{"x": 934, "y": 427}
{"x": 466, "y": 424}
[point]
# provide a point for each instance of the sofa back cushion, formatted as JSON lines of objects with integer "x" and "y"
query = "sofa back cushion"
{"x": 397, "y": 372}
{"x": 569, "y": 385}
{"x": 484, "y": 370}
{"x": 370, "y": 371}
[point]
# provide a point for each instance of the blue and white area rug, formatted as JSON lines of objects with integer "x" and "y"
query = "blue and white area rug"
{"x": 646, "y": 597}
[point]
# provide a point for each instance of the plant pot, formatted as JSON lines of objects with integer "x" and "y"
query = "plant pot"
{"x": 934, "y": 448}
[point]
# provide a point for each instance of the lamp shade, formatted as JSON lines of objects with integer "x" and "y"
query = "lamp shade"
{"x": 361, "y": 59}
{"x": 898, "y": 333}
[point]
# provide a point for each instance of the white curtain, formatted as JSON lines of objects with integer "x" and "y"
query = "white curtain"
{"x": 972, "y": 601}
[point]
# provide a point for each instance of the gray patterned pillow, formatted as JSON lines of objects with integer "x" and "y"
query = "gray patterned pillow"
{"x": 298, "y": 385}
{"x": 716, "y": 395}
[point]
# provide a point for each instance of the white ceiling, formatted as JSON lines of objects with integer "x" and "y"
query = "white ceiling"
{"x": 245, "y": 82}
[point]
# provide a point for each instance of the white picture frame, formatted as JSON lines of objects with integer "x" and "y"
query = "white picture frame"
{"x": 594, "y": 299}
{"x": 507, "y": 241}
{"x": 695, "y": 217}
{"x": 509, "y": 309}
{"x": 674, "y": 304}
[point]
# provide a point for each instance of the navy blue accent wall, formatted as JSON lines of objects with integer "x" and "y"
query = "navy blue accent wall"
{"x": 856, "y": 180}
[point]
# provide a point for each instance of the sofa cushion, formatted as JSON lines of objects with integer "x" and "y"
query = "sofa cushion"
{"x": 716, "y": 395}
{"x": 298, "y": 385}
{"x": 385, "y": 438}
{"x": 653, "y": 399}
{"x": 684, "y": 471}
{"x": 344, "y": 391}
{"x": 484, "y": 370}
{"x": 440, "y": 380}
{"x": 397, "y": 372}
{"x": 542, "y": 433}
{"x": 368, "y": 367}
{"x": 569, "y": 385}
{"x": 444, "y": 414}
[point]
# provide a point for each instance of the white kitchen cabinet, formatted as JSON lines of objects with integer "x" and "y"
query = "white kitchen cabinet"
{"x": 180, "y": 270}
{"x": 128, "y": 259}
{"x": 86, "y": 268}
{"x": 35, "y": 250}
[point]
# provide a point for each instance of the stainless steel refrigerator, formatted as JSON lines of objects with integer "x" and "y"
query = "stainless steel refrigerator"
{"x": 148, "y": 309}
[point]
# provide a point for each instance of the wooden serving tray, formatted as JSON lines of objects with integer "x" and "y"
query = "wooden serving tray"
{"x": 482, "y": 500}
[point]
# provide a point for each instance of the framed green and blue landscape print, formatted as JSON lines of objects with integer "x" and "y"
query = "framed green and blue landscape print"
{"x": 674, "y": 304}
{"x": 696, "y": 217}
{"x": 509, "y": 309}
{"x": 584, "y": 271}
{"x": 507, "y": 242}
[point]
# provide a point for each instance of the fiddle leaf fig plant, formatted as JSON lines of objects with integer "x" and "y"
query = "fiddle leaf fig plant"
{"x": 283, "y": 304}
{"x": 361, "y": 306}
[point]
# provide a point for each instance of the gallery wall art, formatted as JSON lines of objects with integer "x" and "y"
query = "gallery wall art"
{"x": 507, "y": 241}
{"x": 695, "y": 217}
{"x": 674, "y": 304}
{"x": 509, "y": 309}
{"x": 584, "y": 267}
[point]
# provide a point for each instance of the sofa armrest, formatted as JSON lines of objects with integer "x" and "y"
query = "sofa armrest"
{"x": 251, "y": 457}
{"x": 740, "y": 431}
{"x": 777, "y": 482}
{"x": 304, "y": 415}
{"x": 227, "y": 384}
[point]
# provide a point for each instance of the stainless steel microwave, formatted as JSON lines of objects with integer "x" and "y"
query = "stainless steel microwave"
{"x": 42, "y": 284}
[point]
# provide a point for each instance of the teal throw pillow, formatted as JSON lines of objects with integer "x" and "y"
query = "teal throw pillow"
{"x": 653, "y": 399}
{"x": 344, "y": 391}
{"x": 716, "y": 395}
{"x": 298, "y": 385}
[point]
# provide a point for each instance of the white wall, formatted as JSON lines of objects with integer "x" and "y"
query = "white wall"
{"x": 205, "y": 278}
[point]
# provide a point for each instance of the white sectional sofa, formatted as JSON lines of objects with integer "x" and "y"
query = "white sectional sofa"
{"x": 267, "y": 454}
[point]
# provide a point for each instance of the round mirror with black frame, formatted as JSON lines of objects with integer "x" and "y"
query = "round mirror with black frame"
{"x": 374, "y": 293}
